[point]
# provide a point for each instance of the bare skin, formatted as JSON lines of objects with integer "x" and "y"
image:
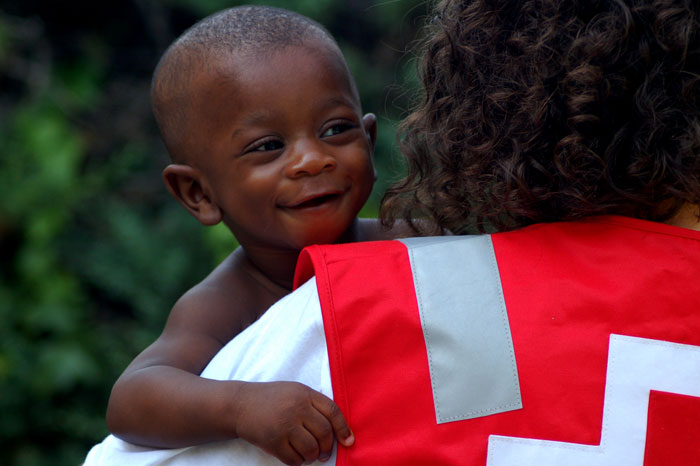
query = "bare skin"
{"x": 687, "y": 217}
{"x": 287, "y": 419}
{"x": 277, "y": 149}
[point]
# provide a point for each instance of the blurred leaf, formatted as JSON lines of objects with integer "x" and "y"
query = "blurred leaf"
{"x": 80, "y": 81}
{"x": 61, "y": 366}
{"x": 4, "y": 40}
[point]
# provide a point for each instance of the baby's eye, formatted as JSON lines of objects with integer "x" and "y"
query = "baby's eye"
{"x": 269, "y": 145}
{"x": 337, "y": 129}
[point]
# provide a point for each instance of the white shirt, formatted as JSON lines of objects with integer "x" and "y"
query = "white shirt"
{"x": 287, "y": 343}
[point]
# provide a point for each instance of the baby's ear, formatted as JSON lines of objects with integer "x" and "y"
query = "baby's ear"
{"x": 369, "y": 121}
{"x": 189, "y": 187}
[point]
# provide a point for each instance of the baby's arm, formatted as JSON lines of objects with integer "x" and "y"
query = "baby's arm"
{"x": 160, "y": 401}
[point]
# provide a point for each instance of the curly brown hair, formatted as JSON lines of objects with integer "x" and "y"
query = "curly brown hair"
{"x": 547, "y": 110}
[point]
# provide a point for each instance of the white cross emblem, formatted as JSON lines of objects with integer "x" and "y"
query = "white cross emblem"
{"x": 635, "y": 366}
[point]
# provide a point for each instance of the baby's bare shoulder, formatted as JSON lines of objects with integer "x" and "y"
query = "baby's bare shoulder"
{"x": 222, "y": 305}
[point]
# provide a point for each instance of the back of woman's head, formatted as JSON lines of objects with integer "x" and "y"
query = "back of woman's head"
{"x": 544, "y": 110}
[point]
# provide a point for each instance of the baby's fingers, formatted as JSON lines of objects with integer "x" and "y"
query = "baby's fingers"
{"x": 306, "y": 446}
{"x": 330, "y": 411}
{"x": 320, "y": 428}
{"x": 289, "y": 456}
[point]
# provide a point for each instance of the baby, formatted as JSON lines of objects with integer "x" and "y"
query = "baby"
{"x": 262, "y": 119}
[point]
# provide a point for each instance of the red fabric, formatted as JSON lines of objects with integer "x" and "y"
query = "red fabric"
{"x": 567, "y": 287}
{"x": 673, "y": 430}
{"x": 357, "y": 368}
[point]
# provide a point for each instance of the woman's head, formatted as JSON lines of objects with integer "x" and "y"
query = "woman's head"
{"x": 543, "y": 110}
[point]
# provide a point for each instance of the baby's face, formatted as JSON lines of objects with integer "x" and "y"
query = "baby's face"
{"x": 284, "y": 147}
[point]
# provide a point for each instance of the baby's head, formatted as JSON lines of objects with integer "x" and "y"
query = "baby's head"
{"x": 262, "y": 119}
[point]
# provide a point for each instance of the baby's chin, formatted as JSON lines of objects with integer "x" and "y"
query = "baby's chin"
{"x": 324, "y": 235}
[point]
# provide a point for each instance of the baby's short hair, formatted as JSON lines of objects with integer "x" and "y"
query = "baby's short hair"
{"x": 243, "y": 30}
{"x": 251, "y": 29}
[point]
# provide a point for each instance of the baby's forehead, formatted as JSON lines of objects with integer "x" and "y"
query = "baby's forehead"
{"x": 239, "y": 31}
{"x": 203, "y": 51}
{"x": 326, "y": 54}
{"x": 232, "y": 64}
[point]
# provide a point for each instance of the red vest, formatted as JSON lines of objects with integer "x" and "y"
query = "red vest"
{"x": 595, "y": 328}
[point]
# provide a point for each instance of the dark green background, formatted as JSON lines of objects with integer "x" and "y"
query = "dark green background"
{"x": 93, "y": 251}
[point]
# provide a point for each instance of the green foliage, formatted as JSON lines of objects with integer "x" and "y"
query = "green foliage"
{"x": 93, "y": 252}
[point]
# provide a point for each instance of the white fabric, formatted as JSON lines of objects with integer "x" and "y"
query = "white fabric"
{"x": 286, "y": 343}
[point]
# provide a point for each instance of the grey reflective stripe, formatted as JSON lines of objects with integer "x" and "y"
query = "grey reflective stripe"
{"x": 465, "y": 324}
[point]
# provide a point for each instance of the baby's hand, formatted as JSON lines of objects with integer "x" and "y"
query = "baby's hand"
{"x": 290, "y": 421}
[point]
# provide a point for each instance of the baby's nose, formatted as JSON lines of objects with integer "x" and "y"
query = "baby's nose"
{"x": 310, "y": 163}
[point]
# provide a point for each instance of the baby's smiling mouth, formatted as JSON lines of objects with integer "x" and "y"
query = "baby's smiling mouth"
{"x": 316, "y": 201}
